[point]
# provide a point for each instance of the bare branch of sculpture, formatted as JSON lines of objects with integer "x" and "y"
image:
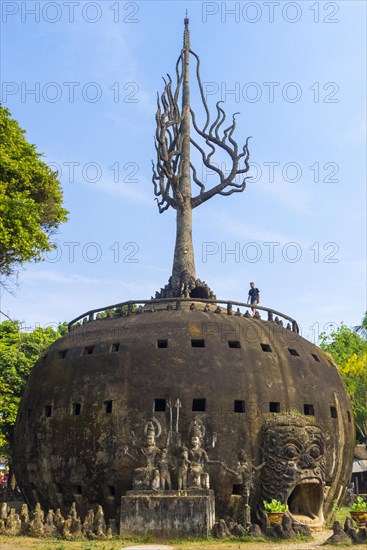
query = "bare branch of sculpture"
{"x": 173, "y": 171}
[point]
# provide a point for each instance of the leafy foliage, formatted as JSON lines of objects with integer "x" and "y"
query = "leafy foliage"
{"x": 348, "y": 348}
{"x": 19, "y": 351}
{"x": 30, "y": 199}
{"x": 275, "y": 506}
{"x": 359, "y": 506}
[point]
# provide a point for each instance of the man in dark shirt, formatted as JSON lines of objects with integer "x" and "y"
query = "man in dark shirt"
{"x": 253, "y": 297}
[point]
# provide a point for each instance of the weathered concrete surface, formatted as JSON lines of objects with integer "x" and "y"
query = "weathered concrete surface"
{"x": 66, "y": 457}
{"x": 168, "y": 515}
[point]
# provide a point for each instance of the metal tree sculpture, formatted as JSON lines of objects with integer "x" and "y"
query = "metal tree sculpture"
{"x": 172, "y": 172}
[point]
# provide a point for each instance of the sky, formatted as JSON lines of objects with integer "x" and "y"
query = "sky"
{"x": 81, "y": 78}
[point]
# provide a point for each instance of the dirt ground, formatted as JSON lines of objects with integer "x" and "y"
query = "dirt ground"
{"x": 26, "y": 543}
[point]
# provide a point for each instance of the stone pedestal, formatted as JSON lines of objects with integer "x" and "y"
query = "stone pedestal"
{"x": 166, "y": 514}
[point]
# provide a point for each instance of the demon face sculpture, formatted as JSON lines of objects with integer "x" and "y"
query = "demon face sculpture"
{"x": 294, "y": 470}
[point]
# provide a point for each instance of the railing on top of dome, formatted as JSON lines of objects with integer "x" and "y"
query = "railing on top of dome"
{"x": 134, "y": 307}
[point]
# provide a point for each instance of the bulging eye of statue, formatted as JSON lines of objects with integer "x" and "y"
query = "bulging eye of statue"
{"x": 315, "y": 451}
{"x": 291, "y": 452}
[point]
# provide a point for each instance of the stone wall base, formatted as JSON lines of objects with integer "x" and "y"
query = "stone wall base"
{"x": 166, "y": 514}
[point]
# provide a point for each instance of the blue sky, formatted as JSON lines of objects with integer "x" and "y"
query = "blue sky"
{"x": 296, "y": 73}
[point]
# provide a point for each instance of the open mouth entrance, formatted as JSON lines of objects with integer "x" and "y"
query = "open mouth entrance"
{"x": 200, "y": 292}
{"x": 306, "y": 502}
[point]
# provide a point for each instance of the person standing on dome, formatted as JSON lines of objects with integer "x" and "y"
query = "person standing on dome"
{"x": 253, "y": 297}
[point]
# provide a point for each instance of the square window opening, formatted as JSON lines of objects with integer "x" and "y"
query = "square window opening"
{"x": 236, "y": 489}
{"x": 239, "y": 406}
{"x": 274, "y": 407}
{"x": 77, "y": 489}
{"x": 308, "y": 409}
{"x": 333, "y": 412}
{"x": 316, "y": 358}
{"x": 162, "y": 344}
{"x": 107, "y": 405}
{"x": 62, "y": 353}
{"x": 293, "y": 352}
{"x": 77, "y": 407}
{"x": 266, "y": 348}
{"x": 47, "y": 410}
{"x": 198, "y": 343}
{"x": 115, "y": 347}
{"x": 88, "y": 350}
{"x": 235, "y": 344}
{"x": 159, "y": 405}
{"x": 198, "y": 405}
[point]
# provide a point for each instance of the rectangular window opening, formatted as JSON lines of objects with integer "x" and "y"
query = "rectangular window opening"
{"x": 237, "y": 489}
{"x": 266, "y": 348}
{"x": 159, "y": 405}
{"x": 88, "y": 350}
{"x": 239, "y": 406}
{"x": 107, "y": 405}
{"x": 308, "y": 409}
{"x": 115, "y": 347}
{"x": 62, "y": 353}
{"x": 316, "y": 358}
{"x": 77, "y": 407}
{"x": 77, "y": 490}
{"x": 58, "y": 488}
{"x": 293, "y": 352}
{"x": 47, "y": 410}
{"x": 333, "y": 412}
{"x": 111, "y": 491}
{"x": 234, "y": 344}
{"x": 162, "y": 343}
{"x": 274, "y": 407}
{"x": 198, "y": 343}
{"x": 198, "y": 405}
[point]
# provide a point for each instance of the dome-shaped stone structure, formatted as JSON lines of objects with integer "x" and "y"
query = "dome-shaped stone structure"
{"x": 248, "y": 386}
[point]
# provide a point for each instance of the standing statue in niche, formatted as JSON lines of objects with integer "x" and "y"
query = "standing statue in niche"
{"x": 198, "y": 478}
{"x": 245, "y": 473}
{"x": 147, "y": 476}
{"x": 164, "y": 470}
{"x": 183, "y": 469}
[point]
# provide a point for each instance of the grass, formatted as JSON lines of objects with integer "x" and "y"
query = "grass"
{"x": 235, "y": 543}
{"x": 338, "y": 514}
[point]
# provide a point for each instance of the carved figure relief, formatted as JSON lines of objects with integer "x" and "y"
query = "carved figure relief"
{"x": 147, "y": 476}
{"x": 245, "y": 473}
{"x": 156, "y": 471}
{"x": 294, "y": 471}
{"x": 198, "y": 478}
{"x": 164, "y": 470}
{"x": 183, "y": 469}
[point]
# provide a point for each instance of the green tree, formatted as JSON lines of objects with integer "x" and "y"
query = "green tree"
{"x": 348, "y": 348}
{"x": 19, "y": 351}
{"x": 30, "y": 199}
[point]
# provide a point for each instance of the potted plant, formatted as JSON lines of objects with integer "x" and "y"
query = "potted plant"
{"x": 358, "y": 511}
{"x": 275, "y": 510}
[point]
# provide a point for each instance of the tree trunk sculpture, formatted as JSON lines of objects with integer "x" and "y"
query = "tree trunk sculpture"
{"x": 173, "y": 170}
